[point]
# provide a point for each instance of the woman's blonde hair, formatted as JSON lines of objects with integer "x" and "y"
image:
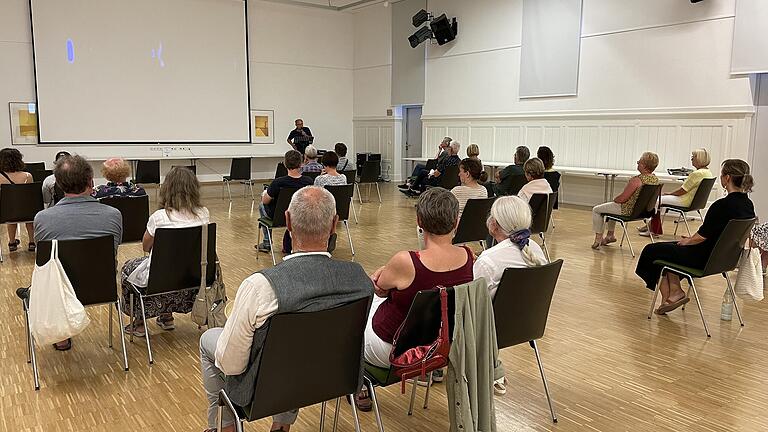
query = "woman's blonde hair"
{"x": 701, "y": 157}
{"x": 740, "y": 174}
{"x": 180, "y": 191}
{"x": 473, "y": 150}
{"x": 650, "y": 160}
{"x": 534, "y": 167}
{"x": 115, "y": 170}
{"x": 512, "y": 214}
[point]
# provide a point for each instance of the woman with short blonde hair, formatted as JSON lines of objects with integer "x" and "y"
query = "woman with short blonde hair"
{"x": 473, "y": 151}
{"x": 116, "y": 171}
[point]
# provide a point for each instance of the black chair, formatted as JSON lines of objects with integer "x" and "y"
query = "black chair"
{"x": 541, "y": 216}
{"x": 135, "y": 212}
{"x": 311, "y": 174}
{"x": 293, "y": 338}
{"x": 239, "y": 171}
{"x": 34, "y": 166}
{"x": 277, "y": 220}
{"x": 343, "y": 197}
{"x": 521, "y": 308}
{"x": 698, "y": 203}
{"x": 19, "y": 203}
{"x": 644, "y": 209}
{"x": 431, "y": 164}
{"x": 91, "y": 268}
{"x": 515, "y": 183}
{"x": 472, "y": 227}
{"x": 350, "y": 175}
{"x": 450, "y": 178}
{"x": 723, "y": 258}
{"x": 176, "y": 266}
{"x": 369, "y": 174}
{"x": 280, "y": 171}
{"x": 420, "y": 327}
{"x": 39, "y": 175}
{"x": 147, "y": 172}
{"x": 192, "y": 168}
{"x": 553, "y": 178}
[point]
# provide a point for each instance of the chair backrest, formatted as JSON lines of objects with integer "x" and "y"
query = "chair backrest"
{"x": 422, "y": 324}
{"x": 20, "y": 202}
{"x": 325, "y": 346}
{"x": 472, "y": 222}
{"x": 176, "y": 259}
{"x": 521, "y": 304}
{"x": 281, "y": 170}
{"x": 90, "y": 266}
{"x": 541, "y": 211}
{"x": 516, "y": 182}
{"x": 58, "y": 193}
{"x": 727, "y": 250}
{"x": 40, "y": 175}
{"x": 701, "y": 196}
{"x": 370, "y": 171}
{"x": 192, "y": 168}
{"x": 350, "y": 175}
{"x": 240, "y": 169}
{"x": 148, "y": 172}
{"x": 343, "y": 197}
{"x": 450, "y": 178}
{"x": 553, "y": 178}
{"x": 283, "y": 200}
{"x": 34, "y": 166}
{"x": 645, "y": 206}
{"x": 135, "y": 212}
{"x": 431, "y": 164}
{"x": 311, "y": 174}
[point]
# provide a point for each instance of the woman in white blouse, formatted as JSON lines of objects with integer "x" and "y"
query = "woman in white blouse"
{"x": 509, "y": 224}
{"x": 179, "y": 208}
{"x": 534, "y": 173}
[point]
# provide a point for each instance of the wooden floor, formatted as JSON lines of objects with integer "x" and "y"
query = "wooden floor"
{"x": 609, "y": 368}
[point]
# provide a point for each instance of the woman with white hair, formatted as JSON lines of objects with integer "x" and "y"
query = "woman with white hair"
{"x": 509, "y": 224}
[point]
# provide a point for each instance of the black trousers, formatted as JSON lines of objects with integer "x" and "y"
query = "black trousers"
{"x": 689, "y": 256}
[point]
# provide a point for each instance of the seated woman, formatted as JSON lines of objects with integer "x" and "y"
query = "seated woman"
{"x": 408, "y": 272}
{"x": 508, "y": 224}
{"x": 534, "y": 173}
{"x": 623, "y": 204}
{"x": 344, "y": 163}
{"x": 179, "y": 208}
{"x": 116, "y": 171}
{"x": 694, "y": 251}
{"x": 12, "y": 172}
{"x": 546, "y": 156}
{"x": 473, "y": 152}
{"x": 759, "y": 239}
{"x": 469, "y": 174}
{"x": 331, "y": 177}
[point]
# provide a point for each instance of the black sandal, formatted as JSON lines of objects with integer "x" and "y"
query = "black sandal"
{"x": 13, "y": 246}
{"x": 66, "y": 347}
{"x": 31, "y": 247}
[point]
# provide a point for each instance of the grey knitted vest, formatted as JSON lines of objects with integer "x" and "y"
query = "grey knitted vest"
{"x": 305, "y": 283}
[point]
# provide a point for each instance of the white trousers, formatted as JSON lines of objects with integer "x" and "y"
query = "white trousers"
{"x": 598, "y": 223}
{"x": 376, "y": 351}
{"x": 672, "y": 200}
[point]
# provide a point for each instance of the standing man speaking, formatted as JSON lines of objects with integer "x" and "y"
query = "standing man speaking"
{"x": 300, "y": 137}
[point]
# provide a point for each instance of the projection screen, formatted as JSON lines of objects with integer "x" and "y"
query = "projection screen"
{"x": 141, "y": 71}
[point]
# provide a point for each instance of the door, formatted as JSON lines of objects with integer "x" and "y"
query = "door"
{"x": 412, "y": 132}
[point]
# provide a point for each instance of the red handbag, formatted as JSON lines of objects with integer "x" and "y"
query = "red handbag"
{"x": 417, "y": 361}
{"x": 656, "y": 226}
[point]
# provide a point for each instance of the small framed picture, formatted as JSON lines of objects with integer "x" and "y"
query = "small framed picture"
{"x": 23, "y": 122}
{"x": 263, "y": 126}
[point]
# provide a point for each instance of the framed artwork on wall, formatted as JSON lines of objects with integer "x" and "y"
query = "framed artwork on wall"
{"x": 263, "y": 126}
{"x": 23, "y": 117}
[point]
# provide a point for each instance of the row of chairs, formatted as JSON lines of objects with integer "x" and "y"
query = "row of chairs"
{"x": 521, "y": 308}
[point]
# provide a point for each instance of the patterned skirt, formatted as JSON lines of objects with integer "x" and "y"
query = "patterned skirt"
{"x": 179, "y": 302}
{"x": 760, "y": 235}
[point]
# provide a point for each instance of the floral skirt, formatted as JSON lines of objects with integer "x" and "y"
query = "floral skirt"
{"x": 760, "y": 235}
{"x": 179, "y": 302}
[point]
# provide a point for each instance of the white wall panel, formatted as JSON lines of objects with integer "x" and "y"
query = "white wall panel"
{"x": 460, "y": 134}
{"x": 483, "y": 136}
{"x": 507, "y": 140}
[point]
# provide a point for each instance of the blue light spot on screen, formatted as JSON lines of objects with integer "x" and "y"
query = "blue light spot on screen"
{"x": 70, "y": 51}
{"x": 31, "y": 108}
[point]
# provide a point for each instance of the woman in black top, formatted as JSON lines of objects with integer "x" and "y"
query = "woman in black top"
{"x": 694, "y": 251}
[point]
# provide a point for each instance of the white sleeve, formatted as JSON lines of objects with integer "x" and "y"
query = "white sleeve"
{"x": 152, "y": 223}
{"x": 480, "y": 270}
{"x": 255, "y": 303}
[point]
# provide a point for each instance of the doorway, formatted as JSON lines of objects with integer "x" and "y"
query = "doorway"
{"x": 412, "y": 130}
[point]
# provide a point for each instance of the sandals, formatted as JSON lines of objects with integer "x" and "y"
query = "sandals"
{"x": 137, "y": 330}
{"x": 66, "y": 347}
{"x": 669, "y": 307}
{"x": 14, "y": 245}
{"x": 363, "y": 401}
{"x": 165, "y": 324}
{"x": 606, "y": 241}
{"x": 500, "y": 386}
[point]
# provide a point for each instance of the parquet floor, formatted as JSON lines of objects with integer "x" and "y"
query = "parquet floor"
{"x": 609, "y": 368}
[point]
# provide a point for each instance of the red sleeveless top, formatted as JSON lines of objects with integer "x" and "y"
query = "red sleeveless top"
{"x": 391, "y": 313}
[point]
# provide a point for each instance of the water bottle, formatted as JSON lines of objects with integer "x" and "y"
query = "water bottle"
{"x": 726, "y": 309}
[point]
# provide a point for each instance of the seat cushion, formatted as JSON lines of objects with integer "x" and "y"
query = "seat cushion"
{"x": 381, "y": 377}
{"x": 680, "y": 208}
{"x": 697, "y": 273}
{"x": 265, "y": 221}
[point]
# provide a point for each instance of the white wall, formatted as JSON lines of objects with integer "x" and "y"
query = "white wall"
{"x": 301, "y": 65}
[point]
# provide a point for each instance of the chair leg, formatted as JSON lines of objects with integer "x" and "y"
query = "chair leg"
{"x": 359, "y": 195}
{"x": 687, "y": 228}
{"x": 349, "y": 236}
{"x": 258, "y": 240}
{"x": 700, "y": 216}
{"x": 1, "y": 254}
{"x": 544, "y": 246}
{"x": 32, "y": 358}
{"x": 133, "y": 305}
{"x": 322, "y": 416}
{"x": 110, "y": 326}
{"x": 426, "y": 394}
{"x": 413, "y": 397}
{"x": 482, "y": 244}
{"x": 648, "y": 228}
{"x": 271, "y": 246}
{"x": 146, "y": 329}
{"x": 250, "y": 183}
{"x": 378, "y": 192}
{"x": 698, "y": 303}
{"x": 352, "y": 207}
{"x": 229, "y": 191}
{"x": 629, "y": 241}
{"x": 336, "y": 415}
{"x": 687, "y": 294}
{"x": 655, "y": 294}
{"x": 544, "y": 380}
{"x": 119, "y": 308}
{"x": 733, "y": 297}
{"x": 354, "y": 412}
{"x": 225, "y": 403}
{"x": 372, "y": 391}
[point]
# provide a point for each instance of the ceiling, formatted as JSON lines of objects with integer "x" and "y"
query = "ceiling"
{"x": 327, "y": 4}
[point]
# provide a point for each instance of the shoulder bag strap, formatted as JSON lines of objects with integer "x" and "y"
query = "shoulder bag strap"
{"x": 203, "y": 260}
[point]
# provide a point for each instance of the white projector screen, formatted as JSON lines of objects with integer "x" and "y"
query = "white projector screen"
{"x": 141, "y": 71}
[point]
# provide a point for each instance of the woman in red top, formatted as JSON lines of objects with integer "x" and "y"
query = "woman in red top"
{"x": 408, "y": 272}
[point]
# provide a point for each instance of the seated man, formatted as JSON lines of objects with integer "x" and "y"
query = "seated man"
{"x": 77, "y": 215}
{"x": 442, "y": 153}
{"x": 294, "y": 179}
{"x": 433, "y": 179}
{"x": 49, "y": 184}
{"x": 228, "y": 355}
{"x": 310, "y": 160}
{"x": 505, "y": 178}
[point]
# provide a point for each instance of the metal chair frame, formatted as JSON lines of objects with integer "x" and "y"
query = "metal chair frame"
{"x": 639, "y": 213}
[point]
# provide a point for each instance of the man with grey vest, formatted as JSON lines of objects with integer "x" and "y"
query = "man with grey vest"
{"x": 227, "y": 355}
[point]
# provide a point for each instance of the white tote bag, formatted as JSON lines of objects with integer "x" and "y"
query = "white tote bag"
{"x": 55, "y": 313}
{"x": 749, "y": 280}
